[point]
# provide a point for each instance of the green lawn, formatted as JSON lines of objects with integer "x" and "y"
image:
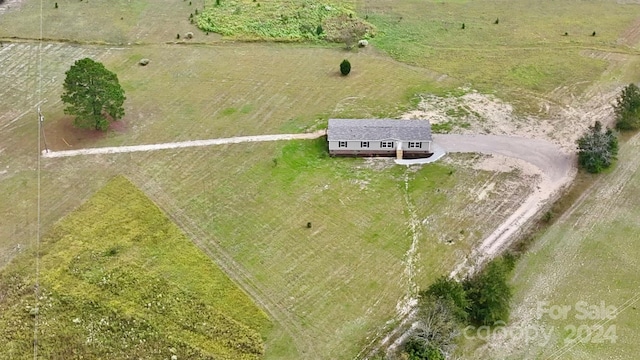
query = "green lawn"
{"x": 117, "y": 278}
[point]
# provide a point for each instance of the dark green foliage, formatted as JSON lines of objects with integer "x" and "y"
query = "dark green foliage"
{"x": 489, "y": 293}
{"x": 497, "y": 21}
{"x": 597, "y": 149}
{"x": 56, "y": 5}
{"x": 90, "y": 93}
{"x": 593, "y": 34}
{"x": 217, "y": 2}
{"x": 177, "y": 36}
{"x": 345, "y": 67}
{"x": 463, "y": 26}
{"x": 319, "y": 30}
{"x": 196, "y": 11}
{"x": 417, "y": 350}
{"x": 452, "y": 293}
{"x": 627, "y": 108}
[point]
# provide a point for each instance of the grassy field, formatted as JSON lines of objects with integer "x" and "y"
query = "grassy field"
{"x": 119, "y": 279}
{"x": 119, "y": 22}
{"x": 590, "y": 256}
{"x": 524, "y": 56}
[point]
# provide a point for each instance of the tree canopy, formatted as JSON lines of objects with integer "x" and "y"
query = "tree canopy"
{"x": 91, "y": 93}
{"x": 597, "y": 148}
{"x": 627, "y": 108}
{"x": 489, "y": 293}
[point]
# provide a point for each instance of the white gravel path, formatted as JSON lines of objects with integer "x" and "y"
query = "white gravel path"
{"x": 182, "y": 144}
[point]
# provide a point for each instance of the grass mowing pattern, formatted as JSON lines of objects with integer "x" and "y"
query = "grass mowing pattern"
{"x": 274, "y": 20}
{"x": 337, "y": 283}
{"x": 120, "y": 280}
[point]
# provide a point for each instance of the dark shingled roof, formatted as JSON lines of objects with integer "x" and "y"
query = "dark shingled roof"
{"x": 378, "y": 129}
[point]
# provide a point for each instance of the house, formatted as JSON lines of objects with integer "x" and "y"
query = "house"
{"x": 404, "y": 139}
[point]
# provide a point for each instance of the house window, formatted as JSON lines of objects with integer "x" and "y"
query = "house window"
{"x": 342, "y": 144}
{"x": 364, "y": 144}
{"x": 386, "y": 144}
{"x": 415, "y": 145}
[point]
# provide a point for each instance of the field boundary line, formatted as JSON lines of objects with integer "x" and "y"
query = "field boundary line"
{"x": 183, "y": 144}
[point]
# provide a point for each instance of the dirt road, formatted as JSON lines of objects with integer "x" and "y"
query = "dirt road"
{"x": 556, "y": 167}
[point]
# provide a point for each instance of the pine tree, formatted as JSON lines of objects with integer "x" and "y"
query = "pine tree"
{"x": 627, "y": 108}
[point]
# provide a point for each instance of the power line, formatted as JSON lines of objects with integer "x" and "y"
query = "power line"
{"x": 40, "y": 132}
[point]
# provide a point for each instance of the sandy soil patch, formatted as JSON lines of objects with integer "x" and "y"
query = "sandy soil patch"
{"x": 559, "y": 123}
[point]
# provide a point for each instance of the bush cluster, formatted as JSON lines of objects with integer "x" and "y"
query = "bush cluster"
{"x": 447, "y": 304}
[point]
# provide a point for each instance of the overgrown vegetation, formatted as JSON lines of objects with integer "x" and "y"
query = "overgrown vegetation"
{"x": 284, "y": 21}
{"x": 597, "y": 148}
{"x": 627, "y": 108}
{"x": 119, "y": 280}
{"x": 447, "y": 305}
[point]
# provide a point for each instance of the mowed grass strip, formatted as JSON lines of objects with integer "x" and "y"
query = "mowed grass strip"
{"x": 527, "y": 50}
{"x": 118, "y": 279}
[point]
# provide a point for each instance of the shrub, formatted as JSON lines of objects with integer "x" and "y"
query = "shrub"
{"x": 489, "y": 293}
{"x": 452, "y": 293}
{"x": 463, "y": 26}
{"x": 56, "y": 5}
{"x": 178, "y": 36}
{"x": 319, "y": 30}
{"x": 345, "y": 67}
{"x": 417, "y": 350}
{"x": 497, "y": 21}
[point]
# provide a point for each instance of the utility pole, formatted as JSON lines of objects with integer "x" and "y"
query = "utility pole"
{"x": 41, "y": 125}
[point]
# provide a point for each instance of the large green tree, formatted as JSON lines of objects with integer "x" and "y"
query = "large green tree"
{"x": 93, "y": 94}
{"x": 627, "y": 108}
